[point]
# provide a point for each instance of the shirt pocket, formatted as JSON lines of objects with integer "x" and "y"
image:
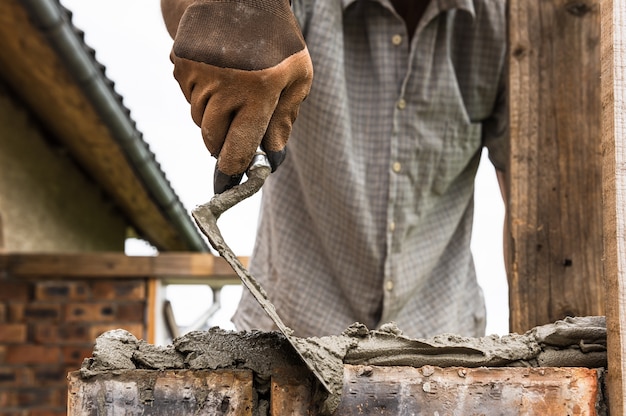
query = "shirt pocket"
{"x": 460, "y": 145}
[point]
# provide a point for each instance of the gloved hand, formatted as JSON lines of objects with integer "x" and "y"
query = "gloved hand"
{"x": 244, "y": 68}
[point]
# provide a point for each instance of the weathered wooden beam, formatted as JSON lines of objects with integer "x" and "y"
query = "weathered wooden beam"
{"x": 613, "y": 42}
{"x": 188, "y": 267}
{"x": 555, "y": 215}
{"x": 367, "y": 390}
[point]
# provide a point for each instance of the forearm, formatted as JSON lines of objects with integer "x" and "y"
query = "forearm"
{"x": 172, "y": 11}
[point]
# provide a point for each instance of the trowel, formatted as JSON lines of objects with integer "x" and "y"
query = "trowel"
{"x": 206, "y": 216}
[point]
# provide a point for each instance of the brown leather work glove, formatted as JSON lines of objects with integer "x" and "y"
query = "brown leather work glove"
{"x": 244, "y": 68}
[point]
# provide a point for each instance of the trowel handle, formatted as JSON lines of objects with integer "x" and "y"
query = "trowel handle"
{"x": 257, "y": 172}
{"x": 259, "y": 160}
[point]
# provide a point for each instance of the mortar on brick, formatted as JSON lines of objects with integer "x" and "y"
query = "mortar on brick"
{"x": 577, "y": 342}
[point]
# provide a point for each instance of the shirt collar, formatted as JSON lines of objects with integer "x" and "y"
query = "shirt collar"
{"x": 440, "y": 5}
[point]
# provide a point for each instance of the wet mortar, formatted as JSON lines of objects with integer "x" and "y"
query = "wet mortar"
{"x": 572, "y": 342}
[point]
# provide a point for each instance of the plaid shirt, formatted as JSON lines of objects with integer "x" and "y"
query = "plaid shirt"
{"x": 369, "y": 218}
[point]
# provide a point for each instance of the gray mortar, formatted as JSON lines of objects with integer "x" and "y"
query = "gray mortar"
{"x": 572, "y": 342}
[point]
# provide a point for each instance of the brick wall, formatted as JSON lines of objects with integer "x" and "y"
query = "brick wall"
{"x": 48, "y": 327}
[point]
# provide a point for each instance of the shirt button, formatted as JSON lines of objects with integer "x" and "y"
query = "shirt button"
{"x": 392, "y": 226}
{"x": 401, "y": 104}
{"x": 397, "y": 167}
{"x": 389, "y": 285}
{"x": 396, "y": 40}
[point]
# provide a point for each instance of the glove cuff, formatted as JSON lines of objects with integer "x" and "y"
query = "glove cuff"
{"x": 240, "y": 34}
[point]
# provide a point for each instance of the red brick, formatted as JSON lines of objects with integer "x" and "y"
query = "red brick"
{"x": 91, "y": 312}
{"x": 50, "y": 375}
{"x": 131, "y": 312}
{"x": 119, "y": 290}
{"x": 27, "y": 312}
{"x": 62, "y": 291}
{"x": 32, "y": 354}
{"x": 13, "y": 333}
{"x": 38, "y": 375}
{"x": 135, "y": 329}
{"x": 45, "y": 412}
{"x": 33, "y": 397}
{"x": 62, "y": 334}
{"x": 11, "y": 376}
{"x": 15, "y": 291}
{"x": 12, "y": 412}
{"x": 74, "y": 355}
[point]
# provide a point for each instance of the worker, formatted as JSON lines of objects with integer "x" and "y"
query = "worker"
{"x": 367, "y": 216}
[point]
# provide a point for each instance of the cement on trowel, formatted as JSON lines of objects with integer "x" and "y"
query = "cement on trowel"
{"x": 572, "y": 342}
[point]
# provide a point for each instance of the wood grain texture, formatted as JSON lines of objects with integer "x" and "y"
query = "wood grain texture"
{"x": 614, "y": 194}
{"x": 555, "y": 215}
{"x": 172, "y": 268}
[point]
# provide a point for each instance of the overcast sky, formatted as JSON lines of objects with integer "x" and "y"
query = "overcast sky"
{"x": 131, "y": 41}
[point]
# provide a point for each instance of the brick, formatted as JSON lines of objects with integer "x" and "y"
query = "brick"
{"x": 25, "y": 312}
{"x": 13, "y": 333}
{"x": 135, "y": 329}
{"x": 45, "y": 412}
{"x": 33, "y": 375}
{"x": 119, "y": 290}
{"x": 32, "y": 354}
{"x": 469, "y": 391}
{"x": 226, "y": 392}
{"x": 15, "y": 291}
{"x": 33, "y": 397}
{"x": 131, "y": 312}
{"x": 62, "y": 334}
{"x": 50, "y": 375}
{"x": 8, "y": 376}
{"x": 61, "y": 291}
{"x": 91, "y": 312}
{"x": 11, "y": 376}
{"x": 12, "y": 412}
{"x": 73, "y": 356}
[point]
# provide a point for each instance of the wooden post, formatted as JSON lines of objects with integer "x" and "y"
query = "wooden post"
{"x": 555, "y": 215}
{"x": 614, "y": 194}
{"x": 153, "y": 309}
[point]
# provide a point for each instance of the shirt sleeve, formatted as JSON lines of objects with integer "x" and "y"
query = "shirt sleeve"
{"x": 302, "y": 10}
{"x": 495, "y": 131}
